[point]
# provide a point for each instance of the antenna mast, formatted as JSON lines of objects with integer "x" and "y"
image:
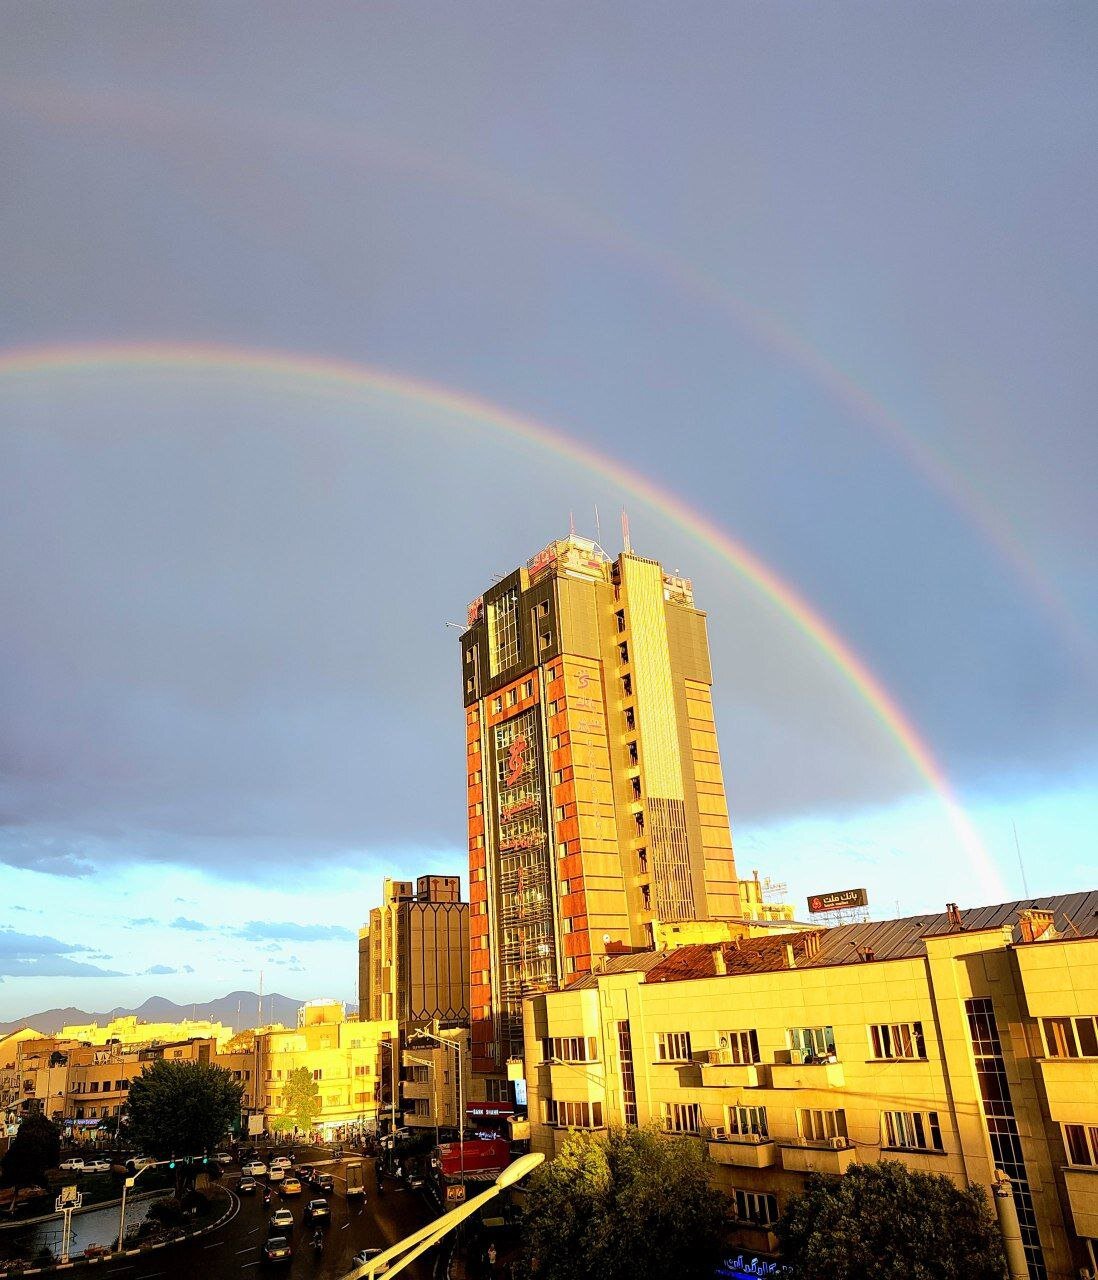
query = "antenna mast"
{"x": 626, "y": 542}
{"x": 1021, "y": 865}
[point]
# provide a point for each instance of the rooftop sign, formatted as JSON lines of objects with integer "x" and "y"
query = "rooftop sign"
{"x": 841, "y": 900}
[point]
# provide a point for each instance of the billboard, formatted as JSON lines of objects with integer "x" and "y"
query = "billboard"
{"x": 841, "y": 900}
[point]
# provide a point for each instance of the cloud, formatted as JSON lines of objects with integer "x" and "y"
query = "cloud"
{"x": 286, "y": 930}
{"x": 191, "y": 926}
{"x": 31, "y": 955}
{"x": 136, "y": 922}
{"x": 47, "y": 855}
{"x": 160, "y": 968}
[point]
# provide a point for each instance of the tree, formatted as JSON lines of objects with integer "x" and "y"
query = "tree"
{"x": 635, "y": 1203}
{"x": 884, "y": 1222}
{"x": 182, "y": 1109}
{"x": 300, "y": 1102}
{"x": 35, "y": 1148}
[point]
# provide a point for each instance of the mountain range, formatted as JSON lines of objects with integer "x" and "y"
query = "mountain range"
{"x": 239, "y": 1010}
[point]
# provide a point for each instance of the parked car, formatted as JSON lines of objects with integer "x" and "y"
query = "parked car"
{"x": 139, "y": 1162}
{"x": 291, "y": 1185}
{"x": 282, "y": 1220}
{"x": 247, "y": 1186}
{"x": 318, "y": 1211}
{"x": 276, "y": 1249}
{"x": 365, "y": 1255}
{"x": 256, "y": 1169}
{"x": 97, "y": 1166}
{"x": 74, "y": 1164}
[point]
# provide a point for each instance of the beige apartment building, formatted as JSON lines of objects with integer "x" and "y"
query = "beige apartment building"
{"x": 957, "y": 1044}
{"x": 348, "y": 1060}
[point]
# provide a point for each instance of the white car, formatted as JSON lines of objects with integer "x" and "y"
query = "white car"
{"x": 74, "y": 1164}
{"x": 223, "y": 1157}
{"x": 255, "y": 1169}
{"x": 97, "y": 1166}
{"x": 281, "y": 1162}
{"x": 276, "y": 1175}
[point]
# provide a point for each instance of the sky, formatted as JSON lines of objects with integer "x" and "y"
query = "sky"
{"x": 315, "y": 321}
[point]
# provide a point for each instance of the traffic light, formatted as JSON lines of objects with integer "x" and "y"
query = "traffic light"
{"x": 171, "y": 1164}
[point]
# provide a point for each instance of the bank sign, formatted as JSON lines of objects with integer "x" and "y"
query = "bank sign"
{"x": 746, "y": 1267}
{"x": 842, "y": 900}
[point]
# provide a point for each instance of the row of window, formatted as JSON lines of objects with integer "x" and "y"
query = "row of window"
{"x": 1081, "y": 1144}
{"x": 572, "y": 1115}
{"x": 900, "y": 1130}
{"x": 107, "y": 1086}
{"x": 570, "y": 1048}
{"x": 1070, "y": 1037}
{"x": 888, "y": 1041}
{"x": 524, "y": 691}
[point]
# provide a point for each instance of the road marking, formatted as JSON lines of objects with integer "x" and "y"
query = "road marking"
{"x": 248, "y": 1249}
{"x": 152, "y": 1275}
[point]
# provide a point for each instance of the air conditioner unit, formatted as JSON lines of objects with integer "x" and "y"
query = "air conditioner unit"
{"x": 837, "y": 1144}
{"x": 716, "y": 1133}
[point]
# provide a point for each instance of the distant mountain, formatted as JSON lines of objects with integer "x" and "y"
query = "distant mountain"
{"x": 239, "y": 1010}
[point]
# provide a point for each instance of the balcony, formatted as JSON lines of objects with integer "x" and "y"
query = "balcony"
{"x": 748, "y": 1151}
{"x": 807, "y": 1075}
{"x": 410, "y": 1089}
{"x": 836, "y": 1156}
{"x": 1071, "y": 1085}
{"x": 1082, "y": 1189}
{"x": 719, "y": 1071}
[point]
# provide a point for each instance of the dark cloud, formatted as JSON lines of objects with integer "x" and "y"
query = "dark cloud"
{"x": 287, "y": 931}
{"x": 190, "y": 926}
{"x": 47, "y": 855}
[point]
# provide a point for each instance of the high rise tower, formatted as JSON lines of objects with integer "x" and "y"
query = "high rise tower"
{"x": 596, "y": 800}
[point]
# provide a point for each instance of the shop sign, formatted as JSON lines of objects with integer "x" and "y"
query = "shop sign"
{"x": 742, "y": 1267}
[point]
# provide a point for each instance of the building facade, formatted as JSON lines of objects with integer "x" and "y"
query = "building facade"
{"x": 413, "y": 966}
{"x": 956, "y": 1044}
{"x": 596, "y": 804}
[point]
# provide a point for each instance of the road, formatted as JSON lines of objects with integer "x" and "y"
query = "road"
{"x": 232, "y": 1251}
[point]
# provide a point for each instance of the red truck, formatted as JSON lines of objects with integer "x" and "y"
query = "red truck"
{"x": 482, "y": 1161}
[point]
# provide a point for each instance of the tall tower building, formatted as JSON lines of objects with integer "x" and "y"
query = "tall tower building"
{"x": 596, "y": 800}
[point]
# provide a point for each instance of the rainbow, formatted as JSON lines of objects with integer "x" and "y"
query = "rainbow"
{"x": 329, "y": 376}
{"x": 156, "y": 115}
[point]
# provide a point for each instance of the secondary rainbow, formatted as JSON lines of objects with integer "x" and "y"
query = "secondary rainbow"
{"x": 341, "y": 377}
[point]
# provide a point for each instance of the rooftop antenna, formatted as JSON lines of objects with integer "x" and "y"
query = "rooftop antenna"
{"x": 598, "y": 527}
{"x": 1021, "y": 865}
{"x": 259, "y": 1017}
{"x": 626, "y": 543}
{"x": 571, "y": 524}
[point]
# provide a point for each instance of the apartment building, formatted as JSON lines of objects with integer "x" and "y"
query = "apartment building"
{"x": 98, "y": 1077}
{"x": 596, "y": 804}
{"x": 958, "y": 1044}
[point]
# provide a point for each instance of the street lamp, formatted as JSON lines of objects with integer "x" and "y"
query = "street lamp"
{"x": 399, "y": 1255}
{"x": 456, "y": 1046}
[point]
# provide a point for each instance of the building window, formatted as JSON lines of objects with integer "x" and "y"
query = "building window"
{"x": 821, "y": 1126}
{"x": 635, "y": 783}
{"x": 623, "y": 652}
{"x": 497, "y": 1090}
{"x": 742, "y": 1047}
{"x": 759, "y": 1208}
{"x": 512, "y": 697}
{"x": 638, "y": 821}
{"x": 630, "y": 718}
{"x": 673, "y": 1046}
{"x": 911, "y": 1130}
{"x": 503, "y": 631}
{"x": 528, "y": 689}
{"x": 646, "y": 897}
{"x": 543, "y": 608}
{"x": 681, "y": 1117}
{"x": 497, "y": 706}
{"x": 570, "y": 1049}
{"x": 627, "y": 685}
{"x": 813, "y": 1043}
{"x": 318, "y": 1074}
{"x": 1081, "y": 1144}
{"x": 1070, "y": 1037}
{"x": 642, "y": 859}
{"x": 889, "y": 1040}
{"x": 573, "y": 1115}
{"x": 746, "y": 1122}
{"x": 631, "y": 748}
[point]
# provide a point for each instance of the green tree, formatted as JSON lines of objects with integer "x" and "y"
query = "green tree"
{"x": 635, "y": 1203}
{"x": 35, "y": 1148}
{"x": 300, "y": 1101}
{"x": 884, "y": 1222}
{"x": 182, "y": 1109}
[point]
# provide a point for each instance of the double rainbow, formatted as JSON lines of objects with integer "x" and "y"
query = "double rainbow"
{"x": 311, "y": 374}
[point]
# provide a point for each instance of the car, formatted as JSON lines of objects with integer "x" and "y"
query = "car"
{"x": 97, "y": 1165}
{"x": 223, "y": 1157}
{"x": 325, "y": 1182}
{"x": 256, "y": 1169}
{"x": 281, "y": 1162}
{"x": 247, "y": 1186}
{"x": 276, "y": 1249}
{"x": 74, "y": 1164}
{"x": 318, "y": 1211}
{"x": 134, "y": 1163}
{"x": 291, "y": 1186}
{"x": 276, "y": 1175}
{"x": 281, "y": 1220}
{"x": 366, "y": 1255}
{"x": 305, "y": 1172}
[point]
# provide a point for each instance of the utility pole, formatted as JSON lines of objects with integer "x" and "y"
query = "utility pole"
{"x": 1007, "y": 1213}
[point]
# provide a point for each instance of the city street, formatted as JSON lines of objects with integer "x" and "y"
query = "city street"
{"x": 233, "y": 1249}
